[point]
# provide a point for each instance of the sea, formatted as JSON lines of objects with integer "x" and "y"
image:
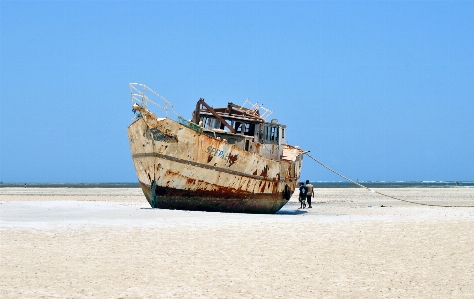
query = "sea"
{"x": 394, "y": 184}
{"x": 319, "y": 184}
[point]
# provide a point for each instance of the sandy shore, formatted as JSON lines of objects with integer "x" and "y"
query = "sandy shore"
{"x": 108, "y": 243}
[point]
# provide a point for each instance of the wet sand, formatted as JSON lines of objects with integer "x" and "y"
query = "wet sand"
{"x": 108, "y": 243}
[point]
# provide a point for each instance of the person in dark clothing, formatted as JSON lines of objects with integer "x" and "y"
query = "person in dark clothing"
{"x": 309, "y": 193}
{"x": 303, "y": 192}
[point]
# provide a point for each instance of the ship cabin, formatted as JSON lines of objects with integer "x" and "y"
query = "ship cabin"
{"x": 243, "y": 128}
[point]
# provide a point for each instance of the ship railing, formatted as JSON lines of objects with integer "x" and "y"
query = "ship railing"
{"x": 140, "y": 92}
{"x": 257, "y": 106}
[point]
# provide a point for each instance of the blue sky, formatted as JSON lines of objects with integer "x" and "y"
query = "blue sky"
{"x": 377, "y": 90}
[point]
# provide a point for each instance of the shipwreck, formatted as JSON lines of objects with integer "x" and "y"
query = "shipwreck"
{"x": 228, "y": 159}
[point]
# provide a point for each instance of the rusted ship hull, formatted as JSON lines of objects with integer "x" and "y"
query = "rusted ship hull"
{"x": 211, "y": 201}
{"x": 179, "y": 167}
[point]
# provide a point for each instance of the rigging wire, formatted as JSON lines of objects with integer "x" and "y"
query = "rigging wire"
{"x": 380, "y": 193}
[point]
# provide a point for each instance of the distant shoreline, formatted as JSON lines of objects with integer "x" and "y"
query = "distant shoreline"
{"x": 369, "y": 184}
{"x": 71, "y": 185}
{"x": 388, "y": 184}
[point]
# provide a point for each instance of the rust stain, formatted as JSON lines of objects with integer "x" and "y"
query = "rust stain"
{"x": 232, "y": 159}
{"x": 209, "y": 159}
{"x": 264, "y": 172}
{"x": 197, "y": 188}
{"x": 262, "y": 189}
{"x": 255, "y": 172}
{"x": 275, "y": 186}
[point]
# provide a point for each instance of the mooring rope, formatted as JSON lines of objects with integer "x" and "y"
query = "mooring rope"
{"x": 380, "y": 193}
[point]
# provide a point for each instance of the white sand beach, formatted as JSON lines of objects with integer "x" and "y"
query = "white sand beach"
{"x": 109, "y": 243}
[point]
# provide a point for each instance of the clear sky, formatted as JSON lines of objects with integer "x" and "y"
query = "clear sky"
{"x": 377, "y": 90}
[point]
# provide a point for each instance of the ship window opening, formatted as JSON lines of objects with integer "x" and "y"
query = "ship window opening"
{"x": 267, "y": 133}
{"x": 210, "y": 123}
{"x": 249, "y": 129}
{"x": 238, "y": 127}
{"x": 223, "y": 126}
{"x": 274, "y": 134}
{"x": 271, "y": 134}
{"x": 247, "y": 143}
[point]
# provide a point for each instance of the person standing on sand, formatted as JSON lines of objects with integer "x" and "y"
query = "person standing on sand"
{"x": 303, "y": 192}
{"x": 309, "y": 193}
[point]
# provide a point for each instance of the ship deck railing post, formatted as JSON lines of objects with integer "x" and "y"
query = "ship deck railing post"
{"x": 139, "y": 96}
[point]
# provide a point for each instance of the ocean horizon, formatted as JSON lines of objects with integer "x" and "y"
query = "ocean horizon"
{"x": 393, "y": 184}
{"x": 317, "y": 184}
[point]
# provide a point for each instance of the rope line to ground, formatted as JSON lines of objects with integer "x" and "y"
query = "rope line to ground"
{"x": 380, "y": 193}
